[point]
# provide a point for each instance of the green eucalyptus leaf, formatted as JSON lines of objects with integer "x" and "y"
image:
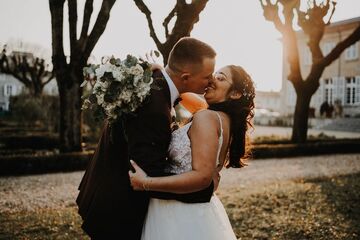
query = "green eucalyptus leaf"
{"x": 157, "y": 54}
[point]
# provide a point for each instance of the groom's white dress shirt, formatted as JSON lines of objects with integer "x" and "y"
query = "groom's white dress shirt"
{"x": 174, "y": 92}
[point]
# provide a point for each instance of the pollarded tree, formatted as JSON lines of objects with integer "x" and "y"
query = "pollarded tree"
{"x": 69, "y": 70}
{"x": 313, "y": 25}
{"x": 187, "y": 14}
{"x": 33, "y": 71}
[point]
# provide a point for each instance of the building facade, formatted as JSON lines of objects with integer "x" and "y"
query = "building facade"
{"x": 10, "y": 86}
{"x": 340, "y": 82}
{"x": 268, "y": 100}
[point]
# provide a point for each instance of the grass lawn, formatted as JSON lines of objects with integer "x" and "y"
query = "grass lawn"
{"x": 311, "y": 209}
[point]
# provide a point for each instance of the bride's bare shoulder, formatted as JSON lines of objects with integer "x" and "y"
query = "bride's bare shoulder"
{"x": 204, "y": 116}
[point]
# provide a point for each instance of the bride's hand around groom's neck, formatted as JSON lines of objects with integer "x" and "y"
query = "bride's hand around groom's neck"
{"x": 156, "y": 66}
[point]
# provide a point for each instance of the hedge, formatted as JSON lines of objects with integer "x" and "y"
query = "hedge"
{"x": 260, "y": 151}
{"x": 30, "y": 164}
{"x": 31, "y": 141}
{"x": 64, "y": 162}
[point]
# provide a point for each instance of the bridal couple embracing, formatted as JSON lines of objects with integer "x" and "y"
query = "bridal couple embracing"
{"x": 146, "y": 181}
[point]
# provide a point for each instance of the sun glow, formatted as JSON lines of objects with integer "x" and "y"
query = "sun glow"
{"x": 236, "y": 29}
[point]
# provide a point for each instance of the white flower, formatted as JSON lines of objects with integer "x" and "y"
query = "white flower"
{"x": 100, "y": 98}
{"x": 125, "y": 96}
{"x": 118, "y": 74}
{"x": 137, "y": 78}
{"x": 101, "y": 86}
{"x": 136, "y": 70}
{"x": 100, "y": 71}
{"x": 109, "y": 110}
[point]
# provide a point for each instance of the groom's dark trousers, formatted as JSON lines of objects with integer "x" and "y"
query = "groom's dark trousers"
{"x": 110, "y": 209}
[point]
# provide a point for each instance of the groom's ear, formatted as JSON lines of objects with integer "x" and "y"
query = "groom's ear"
{"x": 185, "y": 76}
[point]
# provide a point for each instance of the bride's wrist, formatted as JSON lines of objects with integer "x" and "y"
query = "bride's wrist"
{"x": 146, "y": 183}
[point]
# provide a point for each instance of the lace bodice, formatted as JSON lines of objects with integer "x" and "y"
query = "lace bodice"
{"x": 180, "y": 149}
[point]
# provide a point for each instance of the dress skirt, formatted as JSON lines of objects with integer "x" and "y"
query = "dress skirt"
{"x": 174, "y": 220}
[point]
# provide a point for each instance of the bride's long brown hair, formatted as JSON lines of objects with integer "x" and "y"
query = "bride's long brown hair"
{"x": 241, "y": 112}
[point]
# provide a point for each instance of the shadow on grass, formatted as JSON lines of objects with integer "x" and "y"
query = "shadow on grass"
{"x": 42, "y": 224}
{"x": 343, "y": 195}
{"x": 325, "y": 208}
{"x": 337, "y": 214}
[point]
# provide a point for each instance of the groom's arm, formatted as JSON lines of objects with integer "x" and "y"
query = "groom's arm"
{"x": 151, "y": 155}
{"x": 148, "y": 138}
{"x": 194, "y": 197}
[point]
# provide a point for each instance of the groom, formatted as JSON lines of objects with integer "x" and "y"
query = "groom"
{"x": 109, "y": 207}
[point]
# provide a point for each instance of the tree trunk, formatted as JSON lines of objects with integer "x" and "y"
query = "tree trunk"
{"x": 300, "y": 126}
{"x": 70, "y": 110}
{"x": 37, "y": 91}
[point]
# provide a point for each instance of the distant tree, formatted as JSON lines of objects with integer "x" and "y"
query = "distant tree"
{"x": 69, "y": 70}
{"x": 187, "y": 14}
{"x": 33, "y": 71}
{"x": 313, "y": 25}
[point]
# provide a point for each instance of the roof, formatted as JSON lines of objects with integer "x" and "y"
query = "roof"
{"x": 344, "y": 22}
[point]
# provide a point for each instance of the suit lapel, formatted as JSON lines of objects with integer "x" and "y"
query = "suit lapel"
{"x": 160, "y": 81}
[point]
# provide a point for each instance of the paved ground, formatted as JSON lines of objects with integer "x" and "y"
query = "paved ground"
{"x": 60, "y": 189}
{"x": 286, "y": 132}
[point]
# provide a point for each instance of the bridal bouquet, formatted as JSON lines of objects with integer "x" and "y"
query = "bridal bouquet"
{"x": 118, "y": 86}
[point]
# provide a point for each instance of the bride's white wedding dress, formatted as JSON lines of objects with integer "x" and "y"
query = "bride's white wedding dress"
{"x": 174, "y": 220}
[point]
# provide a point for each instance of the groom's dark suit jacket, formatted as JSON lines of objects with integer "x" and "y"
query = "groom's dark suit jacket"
{"x": 109, "y": 207}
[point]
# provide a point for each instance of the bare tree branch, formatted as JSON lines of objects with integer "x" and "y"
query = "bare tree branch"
{"x": 341, "y": 46}
{"x": 57, "y": 10}
{"x": 186, "y": 16}
{"x": 271, "y": 14}
{"x": 88, "y": 9}
{"x": 168, "y": 19}
{"x": 29, "y": 70}
{"x": 332, "y": 12}
{"x": 50, "y": 76}
{"x": 99, "y": 27}
{"x": 144, "y": 9}
{"x": 72, "y": 25}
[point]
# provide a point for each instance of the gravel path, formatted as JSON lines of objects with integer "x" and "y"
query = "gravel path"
{"x": 60, "y": 189}
{"x": 285, "y": 132}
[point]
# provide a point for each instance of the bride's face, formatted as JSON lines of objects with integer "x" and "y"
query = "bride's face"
{"x": 219, "y": 86}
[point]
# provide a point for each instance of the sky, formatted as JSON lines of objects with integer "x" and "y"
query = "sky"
{"x": 235, "y": 28}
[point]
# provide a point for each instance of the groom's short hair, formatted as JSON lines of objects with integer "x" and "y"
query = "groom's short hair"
{"x": 189, "y": 51}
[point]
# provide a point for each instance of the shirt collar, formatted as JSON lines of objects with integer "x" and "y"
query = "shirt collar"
{"x": 174, "y": 92}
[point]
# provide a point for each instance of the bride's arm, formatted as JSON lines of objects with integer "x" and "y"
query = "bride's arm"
{"x": 204, "y": 135}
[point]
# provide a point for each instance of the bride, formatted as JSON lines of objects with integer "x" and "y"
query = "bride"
{"x": 214, "y": 138}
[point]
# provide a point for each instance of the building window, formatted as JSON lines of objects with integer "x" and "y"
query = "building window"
{"x": 353, "y": 95}
{"x": 348, "y": 97}
{"x": 9, "y": 90}
{"x": 352, "y": 91}
{"x": 351, "y": 53}
{"x": 326, "y": 94}
{"x": 328, "y": 47}
{"x": 331, "y": 96}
